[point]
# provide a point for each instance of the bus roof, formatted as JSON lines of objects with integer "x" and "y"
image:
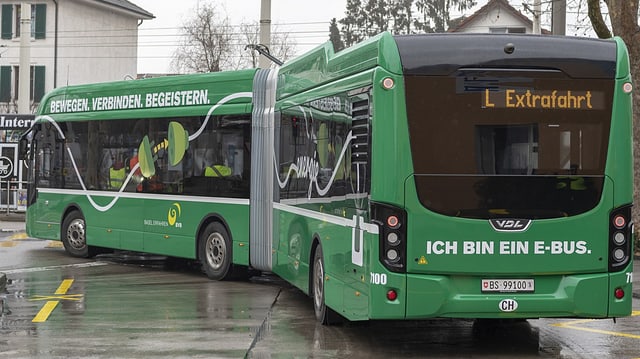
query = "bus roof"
{"x": 160, "y": 94}
{"x": 322, "y": 65}
{"x": 443, "y": 54}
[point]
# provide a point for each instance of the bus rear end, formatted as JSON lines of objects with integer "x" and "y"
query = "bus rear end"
{"x": 519, "y": 204}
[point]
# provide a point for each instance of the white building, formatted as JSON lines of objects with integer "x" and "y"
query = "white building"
{"x": 72, "y": 42}
{"x": 497, "y": 16}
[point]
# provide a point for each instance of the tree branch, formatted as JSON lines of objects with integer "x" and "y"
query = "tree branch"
{"x": 595, "y": 15}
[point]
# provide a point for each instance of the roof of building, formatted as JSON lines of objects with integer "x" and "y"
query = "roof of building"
{"x": 490, "y": 5}
{"x": 128, "y": 6}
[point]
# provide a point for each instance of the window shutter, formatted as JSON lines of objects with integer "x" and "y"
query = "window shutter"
{"x": 41, "y": 21}
{"x": 38, "y": 83}
{"x": 5, "y": 83}
{"x": 7, "y": 21}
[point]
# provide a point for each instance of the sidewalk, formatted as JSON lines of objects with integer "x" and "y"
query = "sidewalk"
{"x": 12, "y": 222}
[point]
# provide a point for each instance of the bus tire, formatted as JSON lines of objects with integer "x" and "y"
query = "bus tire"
{"x": 74, "y": 235}
{"x": 215, "y": 252}
{"x": 324, "y": 314}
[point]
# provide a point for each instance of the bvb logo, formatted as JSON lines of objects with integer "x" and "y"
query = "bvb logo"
{"x": 174, "y": 213}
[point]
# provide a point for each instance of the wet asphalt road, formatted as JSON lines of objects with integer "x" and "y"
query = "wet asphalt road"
{"x": 132, "y": 306}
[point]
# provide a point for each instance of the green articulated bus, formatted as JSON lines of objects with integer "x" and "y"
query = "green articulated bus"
{"x": 406, "y": 177}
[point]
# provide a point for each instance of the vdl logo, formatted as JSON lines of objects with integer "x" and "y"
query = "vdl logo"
{"x": 174, "y": 213}
{"x": 510, "y": 224}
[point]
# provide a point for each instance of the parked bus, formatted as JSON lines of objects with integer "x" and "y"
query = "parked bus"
{"x": 407, "y": 177}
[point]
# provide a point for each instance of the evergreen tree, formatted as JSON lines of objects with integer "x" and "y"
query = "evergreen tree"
{"x": 334, "y": 35}
{"x": 365, "y": 18}
{"x": 353, "y": 24}
{"x": 436, "y": 14}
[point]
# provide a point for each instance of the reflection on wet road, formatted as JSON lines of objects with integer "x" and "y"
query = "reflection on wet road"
{"x": 131, "y": 305}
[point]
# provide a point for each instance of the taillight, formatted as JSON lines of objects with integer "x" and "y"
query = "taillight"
{"x": 392, "y": 295}
{"x": 620, "y": 238}
{"x": 393, "y": 236}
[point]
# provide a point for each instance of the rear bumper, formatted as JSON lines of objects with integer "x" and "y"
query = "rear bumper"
{"x": 584, "y": 295}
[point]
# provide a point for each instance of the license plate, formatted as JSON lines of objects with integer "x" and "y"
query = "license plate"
{"x": 507, "y": 285}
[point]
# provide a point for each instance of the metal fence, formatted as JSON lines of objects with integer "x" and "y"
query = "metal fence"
{"x": 13, "y": 196}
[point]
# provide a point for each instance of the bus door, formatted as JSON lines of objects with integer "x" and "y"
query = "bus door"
{"x": 46, "y": 160}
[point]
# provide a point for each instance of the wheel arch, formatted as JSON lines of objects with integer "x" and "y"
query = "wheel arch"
{"x": 70, "y": 208}
{"x": 315, "y": 243}
{"x": 204, "y": 222}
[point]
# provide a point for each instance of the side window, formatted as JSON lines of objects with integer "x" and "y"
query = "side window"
{"x": 218, "y": 161}
{"x": 296, "y": 151}
{"x": 148, "y": 155}
{"x": 76, "y": 138}
{"x": 49, "y": 157}
{"x": 315, "y": 149}
{"x": 100, "y": 152}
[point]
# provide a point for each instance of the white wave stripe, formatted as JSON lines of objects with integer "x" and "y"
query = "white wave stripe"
{"x": 293, "y": 168}
{"x": 324, "y": 191}
{"x": 214, "y": 107}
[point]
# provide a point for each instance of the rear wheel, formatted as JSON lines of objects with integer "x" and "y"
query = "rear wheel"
{"x": 214, "y": 252}
{"x": 74, "y": 235}
{"x": 324, "y": 314}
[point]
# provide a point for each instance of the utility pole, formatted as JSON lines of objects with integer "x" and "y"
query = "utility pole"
{"x": 558, "y": 17}
{"x": 537, "y": 6}
{"x": 265, "y": 31}
{"x": 24, "y": 79}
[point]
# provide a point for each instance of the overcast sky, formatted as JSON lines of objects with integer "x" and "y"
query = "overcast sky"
{"x": 307, "y": 21}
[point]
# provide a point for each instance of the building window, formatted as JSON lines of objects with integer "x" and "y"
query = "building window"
{"x": 507, "y": 30}
{"x": 11, "y": 21}
{"x": 9, "y": 83}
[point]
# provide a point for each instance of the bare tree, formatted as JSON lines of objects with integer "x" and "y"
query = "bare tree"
{"x": 211, "y": 44}
{"x": 206, "y": 41}
{"x": 282, "y": 47}
{"x": 623, "y": 15}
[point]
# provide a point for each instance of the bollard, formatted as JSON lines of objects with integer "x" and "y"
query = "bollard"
{"x": 8, "y": 194}
{"x": 3, "y": 285}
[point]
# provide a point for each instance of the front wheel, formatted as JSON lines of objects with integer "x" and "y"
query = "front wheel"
{"x": 324, "y": 314}
{"x": 214, "y": 252}
{"x": 74, "y": 235}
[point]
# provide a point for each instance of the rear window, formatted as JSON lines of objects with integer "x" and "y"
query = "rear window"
{"x": 492, "y": 143}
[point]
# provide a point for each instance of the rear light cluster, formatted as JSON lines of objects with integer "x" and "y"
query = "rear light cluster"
{"x": 620, "y": 238}
{"x": 393, "y": 236}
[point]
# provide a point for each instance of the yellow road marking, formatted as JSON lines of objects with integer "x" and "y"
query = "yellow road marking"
{"x": 57, "y": 297}
{"x": 64, "y": 286}
{"x": 53, "y": 300}
{"x": 14, "y": 239}
{"x": 54, "y": 244}
{"x": 572, "y": 325}
{"x": 44, "y": 313}
{"x": 21, "y": 235}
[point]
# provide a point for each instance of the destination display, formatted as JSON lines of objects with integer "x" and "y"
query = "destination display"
{"x": 542, "y": 99}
